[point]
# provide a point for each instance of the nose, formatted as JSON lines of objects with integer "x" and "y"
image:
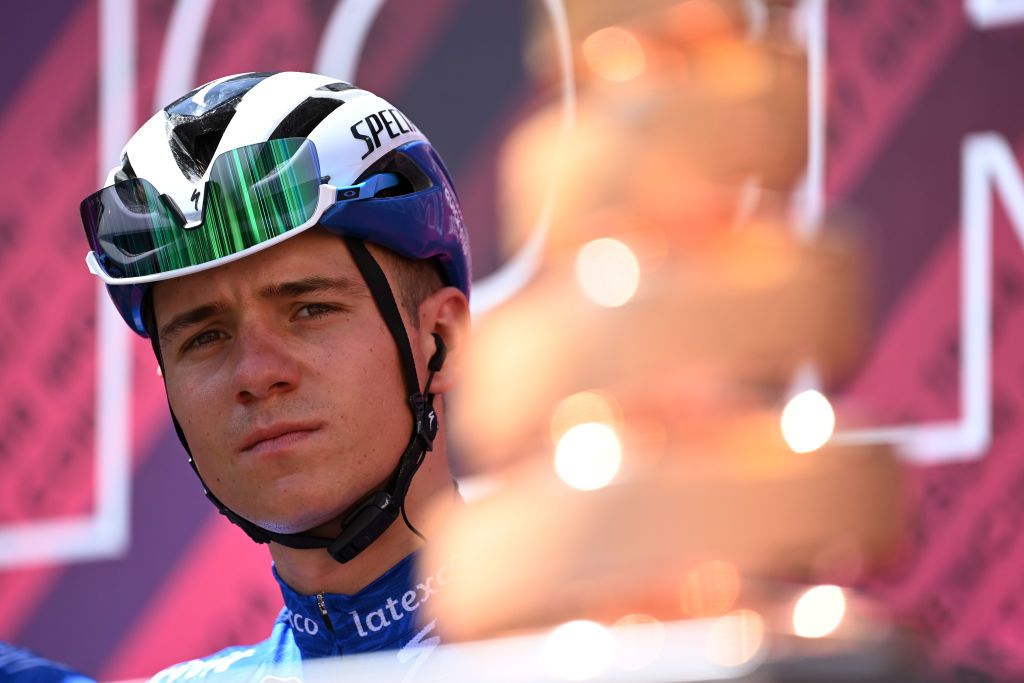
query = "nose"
{"x": 264, "y": 366}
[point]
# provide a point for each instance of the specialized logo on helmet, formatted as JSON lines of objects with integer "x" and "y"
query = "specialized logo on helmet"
{"x": 390, "y": 120}
{"x": 195, "y": 198}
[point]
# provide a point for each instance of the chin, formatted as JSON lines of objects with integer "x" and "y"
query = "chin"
{"x": 292, "y": 523}
{"x": 299, "y": 514}
{"x": 301, "y": 502}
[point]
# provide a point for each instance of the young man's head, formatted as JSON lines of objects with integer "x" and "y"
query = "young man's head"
{"x": 294, "y": 249}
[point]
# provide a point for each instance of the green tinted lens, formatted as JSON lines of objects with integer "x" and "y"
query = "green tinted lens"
{"x": 254, "y": 194}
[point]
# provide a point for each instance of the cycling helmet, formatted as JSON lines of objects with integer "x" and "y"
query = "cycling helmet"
{"x": 352, "y": 131}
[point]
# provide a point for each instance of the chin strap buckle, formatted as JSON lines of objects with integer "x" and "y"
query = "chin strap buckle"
{"x": 363, "y": 526}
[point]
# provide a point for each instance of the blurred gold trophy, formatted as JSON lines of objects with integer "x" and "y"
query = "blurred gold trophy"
{"x": 633, "y": 411}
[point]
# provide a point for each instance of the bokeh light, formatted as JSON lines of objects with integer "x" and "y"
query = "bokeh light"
{"x": 614, "y": 54}
{"x": 639, "y": 640}
{"x": 819, "y": 611}
{"x": 588, "y": 456}
{"x": 578, "y": 650}
{"x": 808, "y": 421}
{"x": 608, "y": 272}
{"x": 710, "y": 589}
{"x": 735, "y": 638}
{"x": 585, "y": 406}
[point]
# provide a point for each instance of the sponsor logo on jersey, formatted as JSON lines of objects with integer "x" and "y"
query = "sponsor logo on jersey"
{"x": 300, "y": 622}
{"x": 396, "y": 610}
{"x": 418, "y": 650}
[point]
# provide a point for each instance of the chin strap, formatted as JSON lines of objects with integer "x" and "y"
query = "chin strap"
{"x": 365, "y": 521}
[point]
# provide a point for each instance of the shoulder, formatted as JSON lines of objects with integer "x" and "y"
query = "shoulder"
{"x": 274, "y": 660}
{"x": 220, "y": 663}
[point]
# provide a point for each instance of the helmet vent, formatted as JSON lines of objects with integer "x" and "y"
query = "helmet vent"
{"x": 214, "y": 95}
{"x": 196, "y": 121}
{"x": 305, "y": 117}
{"x": 193, "y": 141}
{"x": 340, "y": 86}
{"x": 126, "y": 171}
{"x": 412, "y": 178}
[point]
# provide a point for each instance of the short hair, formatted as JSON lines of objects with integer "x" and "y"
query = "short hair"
{"x": 413, "y": 280}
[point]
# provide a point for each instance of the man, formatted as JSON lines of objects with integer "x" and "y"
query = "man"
{"x": 294, "y": 249}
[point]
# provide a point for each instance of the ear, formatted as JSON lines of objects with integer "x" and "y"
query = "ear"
{"x": 445, "y": 313}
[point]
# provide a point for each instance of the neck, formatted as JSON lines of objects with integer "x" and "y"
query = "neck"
{"x": 314, "y": 571}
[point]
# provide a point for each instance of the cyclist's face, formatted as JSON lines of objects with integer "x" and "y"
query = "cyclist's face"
{"x": 285, "y": 380}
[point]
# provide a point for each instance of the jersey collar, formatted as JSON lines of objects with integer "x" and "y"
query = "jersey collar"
{"x": 384, "y": 615}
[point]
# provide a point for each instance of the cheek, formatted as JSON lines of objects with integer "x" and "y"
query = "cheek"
{"x": 380, "y": 376}
{"x": 367, "y": 389}
{"x": 198, "y": 412}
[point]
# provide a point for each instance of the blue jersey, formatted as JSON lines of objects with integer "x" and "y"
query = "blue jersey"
{"x": 22, "y": 666}
{"x": 382, "y": 616}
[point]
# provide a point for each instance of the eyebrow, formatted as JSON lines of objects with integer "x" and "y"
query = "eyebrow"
{"x": 193, "y": 316}
{"x": 276, "y": 290}
{"x": 314, "y": 284}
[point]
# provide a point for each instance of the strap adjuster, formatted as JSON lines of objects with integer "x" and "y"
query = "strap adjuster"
{"x": 425, "y": 429}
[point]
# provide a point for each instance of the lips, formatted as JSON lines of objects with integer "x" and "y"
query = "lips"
{"x": 280, "y": 434}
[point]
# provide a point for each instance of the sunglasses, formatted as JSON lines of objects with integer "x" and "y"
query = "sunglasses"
{"x": 255, "y": 196}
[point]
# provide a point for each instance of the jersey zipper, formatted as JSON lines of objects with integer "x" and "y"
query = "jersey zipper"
{"x": 323, "y": 611}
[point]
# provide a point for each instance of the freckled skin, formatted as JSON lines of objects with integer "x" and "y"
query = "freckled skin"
{"x": 324, "y": 359}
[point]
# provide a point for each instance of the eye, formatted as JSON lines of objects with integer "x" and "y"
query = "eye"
{"x": 315, "y": 311}
{"x": 204, "y": 338}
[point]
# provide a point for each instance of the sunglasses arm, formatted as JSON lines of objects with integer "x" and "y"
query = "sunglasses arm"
{"x": 369, "y": 188}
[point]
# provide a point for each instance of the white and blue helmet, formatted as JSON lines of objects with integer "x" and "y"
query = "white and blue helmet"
{"x": 169, "y": 177}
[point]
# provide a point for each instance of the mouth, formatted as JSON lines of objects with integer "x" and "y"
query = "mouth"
{"x": 276, "y": 437}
